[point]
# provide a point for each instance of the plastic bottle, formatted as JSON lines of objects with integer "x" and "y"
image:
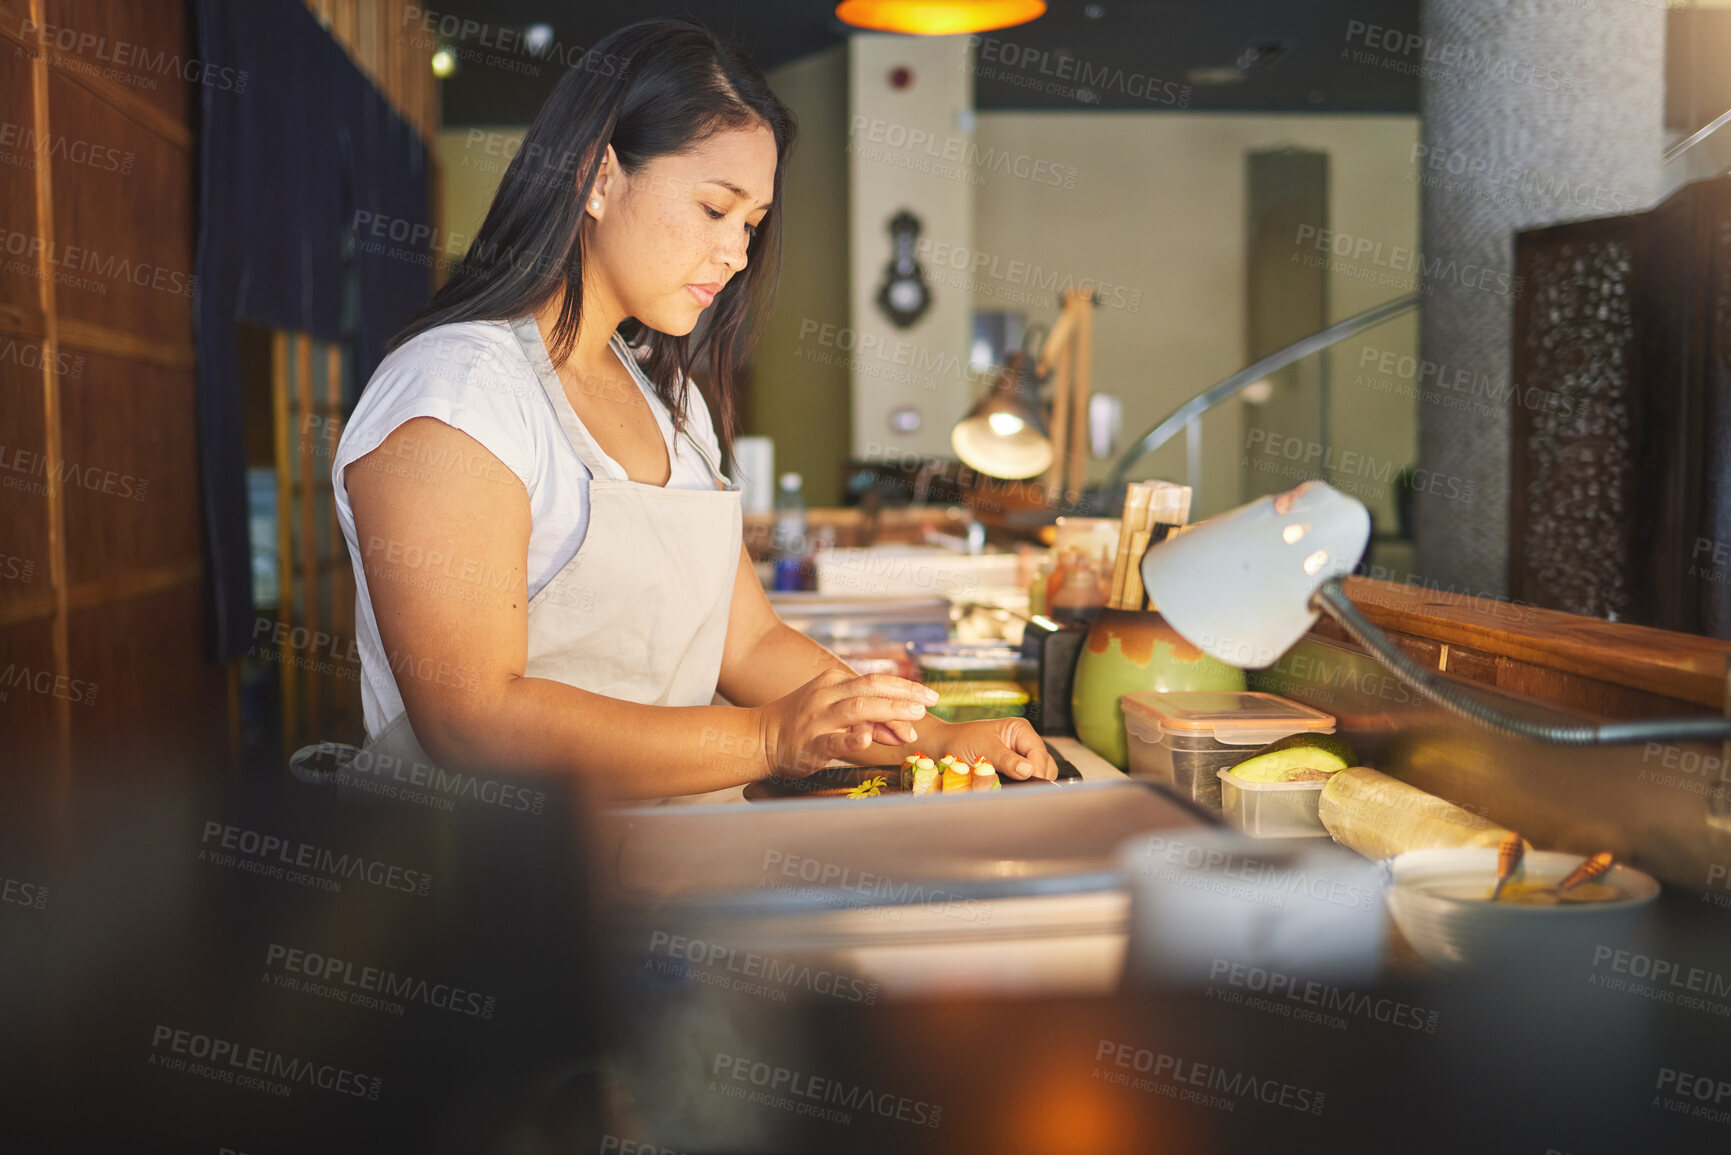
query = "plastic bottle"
{"x": 788, "y": 540}
{"x": 1073, "y": 592}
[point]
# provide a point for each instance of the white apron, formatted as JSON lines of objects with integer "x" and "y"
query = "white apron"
{"x": 640, "y": 611}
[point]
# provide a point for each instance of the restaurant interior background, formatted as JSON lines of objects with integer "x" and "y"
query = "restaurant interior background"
{"x": 1225, "y": 179}
{"x": 1512, "y": 216}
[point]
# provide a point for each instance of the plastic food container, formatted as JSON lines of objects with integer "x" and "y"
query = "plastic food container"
{"x": 1183, "y": 739}
{"x": 970, "y": 701}
{"x": 959, "y": 662}
{"x": 1272, "y": 809}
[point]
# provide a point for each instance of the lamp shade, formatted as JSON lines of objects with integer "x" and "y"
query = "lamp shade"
{"x": 1004, "y": 434}
{"x": 938, "y": 17}
{"x": 1238, "y": 586}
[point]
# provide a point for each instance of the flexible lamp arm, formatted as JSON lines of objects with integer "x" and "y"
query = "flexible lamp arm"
{"x": 1331, "y": 598}
{"x": 1215, "y": 394}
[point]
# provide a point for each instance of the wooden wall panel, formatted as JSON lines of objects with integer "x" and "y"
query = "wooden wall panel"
{"x": 99, "y": 589}
{"x": 157, "y": 694}
{"x": 140, "y": 46}
{"x": 129, "y": 227}
{"x": 111, "y": 626}
{"x": 26, "y": 721}
{"x": 131, "y": 426}
{"x": 23, "y": 511}
{"x": 20, "y": 307}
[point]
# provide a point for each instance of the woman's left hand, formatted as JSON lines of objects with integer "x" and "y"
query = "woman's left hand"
{"x": 1009, "y": 744}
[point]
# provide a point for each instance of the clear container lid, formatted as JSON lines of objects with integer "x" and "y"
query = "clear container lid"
{"x": 981, "y": 693}
{"x": 963, "y": 656}
{"x": 1235, "y": 718}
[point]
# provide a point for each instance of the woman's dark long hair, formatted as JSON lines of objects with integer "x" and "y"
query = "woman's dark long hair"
{"x": 650, "y": 89}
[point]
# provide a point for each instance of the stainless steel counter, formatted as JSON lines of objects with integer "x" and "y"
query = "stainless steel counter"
{"x": 1011, "y": 891}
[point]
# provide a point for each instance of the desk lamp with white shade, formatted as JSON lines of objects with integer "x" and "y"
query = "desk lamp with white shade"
{"x": 1246, "y": 585}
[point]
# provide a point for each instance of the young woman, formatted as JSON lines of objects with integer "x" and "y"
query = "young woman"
{"x": 550, "y": 571}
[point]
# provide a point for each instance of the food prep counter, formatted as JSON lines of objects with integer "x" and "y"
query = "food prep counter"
{"x": 914, "y": 893}
{"x": 968, "y": 956}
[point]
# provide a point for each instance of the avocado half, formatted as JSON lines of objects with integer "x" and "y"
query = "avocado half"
{"x": 1282, "y": 760}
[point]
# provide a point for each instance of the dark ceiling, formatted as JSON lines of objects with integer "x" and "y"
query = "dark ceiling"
{"x": 1296, "y": 51}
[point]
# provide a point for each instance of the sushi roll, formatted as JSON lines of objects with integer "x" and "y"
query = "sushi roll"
{"x": 985, "y": 776}
{"x": 926, "y": 776}
{"x": 956, "y": 775}
{"x": 918, "y": 766}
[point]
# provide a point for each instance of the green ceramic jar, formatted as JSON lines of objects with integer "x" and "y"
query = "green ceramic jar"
{"x": 1130, "y": 650}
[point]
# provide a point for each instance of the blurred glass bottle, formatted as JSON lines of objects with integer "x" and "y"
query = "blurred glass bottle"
{"x": 788, "y": 541}
{"x": 1075, "y": 593}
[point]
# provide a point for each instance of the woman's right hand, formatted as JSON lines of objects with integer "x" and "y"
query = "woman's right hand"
{"x": 837, "y": 715}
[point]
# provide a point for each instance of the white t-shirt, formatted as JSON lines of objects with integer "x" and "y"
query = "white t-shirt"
{"x": 474, "y": 376}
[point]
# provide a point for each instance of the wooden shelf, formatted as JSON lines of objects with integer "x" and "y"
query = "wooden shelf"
{"x": 1685, "y": 667}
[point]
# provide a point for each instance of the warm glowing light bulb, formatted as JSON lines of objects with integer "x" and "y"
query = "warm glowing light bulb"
{"x": 938, "y": 17}
{"x": 1005, "y": 424}
{"x": 444, "y": 63}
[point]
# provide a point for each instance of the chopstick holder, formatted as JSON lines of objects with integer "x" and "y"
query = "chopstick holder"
{"x": 1135, "y": 509}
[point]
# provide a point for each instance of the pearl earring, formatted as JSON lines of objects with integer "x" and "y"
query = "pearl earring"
{"x": 594, "y": 204}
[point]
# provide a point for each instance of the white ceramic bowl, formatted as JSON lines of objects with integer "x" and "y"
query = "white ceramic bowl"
{"x": 1468, "y": 932}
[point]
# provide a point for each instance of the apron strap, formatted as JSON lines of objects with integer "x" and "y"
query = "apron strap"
{"x": 529, "y": 337}
{"x": 722, "y": 481}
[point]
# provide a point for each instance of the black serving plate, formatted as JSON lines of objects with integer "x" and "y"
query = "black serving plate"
{"x": 836, "y": 781}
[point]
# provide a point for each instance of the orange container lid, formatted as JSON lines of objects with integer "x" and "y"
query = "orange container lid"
{"x": 1236, "y": 718}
